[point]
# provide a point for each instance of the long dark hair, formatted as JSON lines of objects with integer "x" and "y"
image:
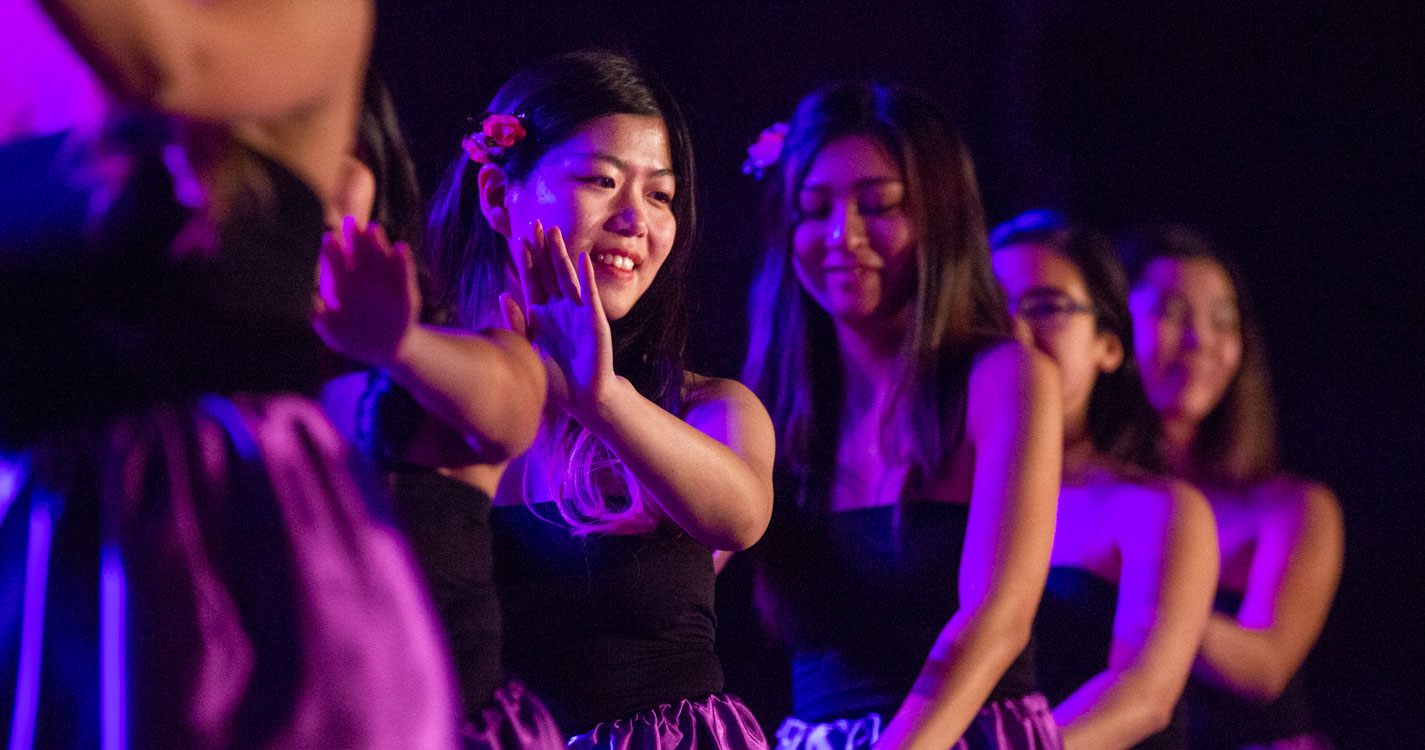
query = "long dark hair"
{"x": 469, "y": 261}
{"x": 958, "y": 309}
{"x": 1236, "y": 444}
{"x": 1121, "y": 421}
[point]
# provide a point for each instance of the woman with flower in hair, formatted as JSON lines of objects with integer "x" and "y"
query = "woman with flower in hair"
{"x": 1205, "y": 372}
{"x": 1135, "y": 556}
{"x": 441, "y": 457}
{"x": 918, "y": 451}
{"x": 568, "y": 218}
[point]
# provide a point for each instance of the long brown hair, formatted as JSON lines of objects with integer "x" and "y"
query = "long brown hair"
{"x": 793, "y": 362}
{"x": 1236, "y": 444}
{"x": 469, "y": 261}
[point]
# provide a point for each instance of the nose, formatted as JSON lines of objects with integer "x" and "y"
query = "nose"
{"x": 1195, "y": 333}
{"x": 629, "y": 217}
{"x": 847, "y": 229}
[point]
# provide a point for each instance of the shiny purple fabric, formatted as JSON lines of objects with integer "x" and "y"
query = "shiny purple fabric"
{"x": 514, "y": 720}
{"x": 1302, "y": 742}
{"x": 718, "y": 722}
{"x": 269, "y": 601}
{"x": 1023, "y": 723}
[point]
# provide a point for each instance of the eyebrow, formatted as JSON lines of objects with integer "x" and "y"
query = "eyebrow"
{"x": 622, "y": 165}
{"x": 859, "y": 184}
{"x": 1043, "y": 290}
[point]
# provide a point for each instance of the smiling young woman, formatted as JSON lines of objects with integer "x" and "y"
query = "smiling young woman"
{"x": 1281, "y": 537}
{"x": 918, "y": 458}
{"x": 569, "y": 219}
{"x": 1135, "y": 558}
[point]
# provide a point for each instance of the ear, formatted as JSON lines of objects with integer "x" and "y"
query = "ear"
{"x": 1111, "y": 355}
{"x": 494, "y": 188}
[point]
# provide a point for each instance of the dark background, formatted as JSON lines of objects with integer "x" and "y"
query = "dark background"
{"x": 1290, "y": 132}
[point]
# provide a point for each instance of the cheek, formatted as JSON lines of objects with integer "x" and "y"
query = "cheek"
{"x": 807, "y": 244}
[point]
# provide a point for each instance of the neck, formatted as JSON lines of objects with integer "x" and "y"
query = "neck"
{"x": 870, "y": 362}
{"x": 314, "y": 143}
{"x": 1081, "y": 458}
{"x": 1178, "y": 437}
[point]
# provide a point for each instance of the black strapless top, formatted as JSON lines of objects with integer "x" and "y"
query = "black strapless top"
{"x": 862, "y": 602}
{"x": 1073, "y": 632}
{"x": 1222, "y": 719}
{"x": 107, "y": 302}
{"x": 448, "y": 525}
{"x": 603, "y": 626}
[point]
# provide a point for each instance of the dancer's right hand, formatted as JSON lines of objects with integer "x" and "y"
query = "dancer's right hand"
{"x": 367, "y": 301}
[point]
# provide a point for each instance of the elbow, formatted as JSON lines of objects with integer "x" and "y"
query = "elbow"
{"x": 1269, "y": 686}
{"x": 1011, "y": 627}
{"x": 1158, "y": 712}
{"x": 744, "y": 533}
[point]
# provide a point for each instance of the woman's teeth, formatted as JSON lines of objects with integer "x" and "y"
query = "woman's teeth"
{"x": 621, "y": 262}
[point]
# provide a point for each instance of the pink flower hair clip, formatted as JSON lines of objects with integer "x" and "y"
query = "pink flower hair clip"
{"x": 497, "y": 132}
{"x": 766, "y": 151}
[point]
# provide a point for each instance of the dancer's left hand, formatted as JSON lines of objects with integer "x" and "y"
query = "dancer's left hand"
{"x": 565, "y": 319}
{"x": 368, "y": 300}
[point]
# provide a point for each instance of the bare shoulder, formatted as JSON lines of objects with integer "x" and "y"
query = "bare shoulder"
{"x": 1297, "y": 505}
{"x": 703, "y": 391}
{"x": 1009, "y": 370}
{"x": 1171, "y": 507}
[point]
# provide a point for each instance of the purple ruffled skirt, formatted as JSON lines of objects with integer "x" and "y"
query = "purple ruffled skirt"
{"x": 250, "y": 589}
{"x": 1023, "y": 723}
{"x": 717, "y": 722}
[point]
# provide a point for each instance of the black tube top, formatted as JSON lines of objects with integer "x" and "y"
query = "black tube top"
{"x": 1222, "y": 719}
{"x": 111, "y": 297}
{"x": 862, "y": 602}
{"x": 448, "y": 525}
{"x": 1073, "y": 632}
{"x": 603, "y": 626}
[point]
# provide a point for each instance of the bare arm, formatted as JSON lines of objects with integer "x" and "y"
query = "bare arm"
{"x": 709, "y": 470}
{"x": 1169, "y": 574}
{"x": 489, "y": 387}
{"x": 711, "y": 474}
{"x": 1294, "y": 574}
{"x": 285, "y": 74}
{"x": 1013, "y": 423}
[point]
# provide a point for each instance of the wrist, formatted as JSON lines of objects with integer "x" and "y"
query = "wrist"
{"x": 406, "y": 351}
{"x": 601, "y": 413}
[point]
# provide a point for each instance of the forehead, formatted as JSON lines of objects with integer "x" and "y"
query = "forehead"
{"x": 847, "y": 161}
{"x": 1027, "y": 265}
{"x": 639, "y": 141}
{"x": 1193, "y": 278}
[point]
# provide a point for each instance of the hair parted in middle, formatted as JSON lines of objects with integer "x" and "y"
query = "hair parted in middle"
{"x": 1121, "y": 422}
{"x": 957, "y": 310}
{"x": 469, "y": 261}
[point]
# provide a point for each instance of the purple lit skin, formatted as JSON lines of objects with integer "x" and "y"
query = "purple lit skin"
{"x": 1187, "y": 337}
{"x": 113, "y": 692}
{"x": 1154, "y": 538}
{"x": 44, "y": 86}
{"x": 1282, "y": 538}
{"x": 27, "y": 690}
{"x": 855, "y": 254}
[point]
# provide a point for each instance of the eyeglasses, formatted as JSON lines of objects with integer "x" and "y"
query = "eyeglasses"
{"x": 1048, "y": 309}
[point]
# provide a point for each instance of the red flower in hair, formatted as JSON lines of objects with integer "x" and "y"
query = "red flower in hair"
{"x": 496, "y": 133}
{"x": 766, "y": 151}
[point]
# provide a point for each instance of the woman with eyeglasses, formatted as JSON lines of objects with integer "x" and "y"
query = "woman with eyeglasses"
{"x": 1135, "y": 558}
{"x": 1281, "y": 537}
